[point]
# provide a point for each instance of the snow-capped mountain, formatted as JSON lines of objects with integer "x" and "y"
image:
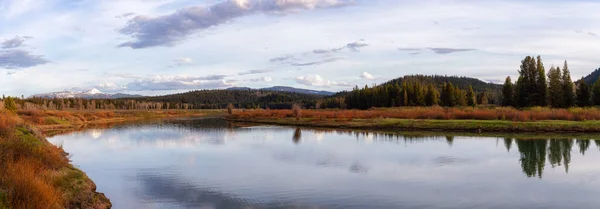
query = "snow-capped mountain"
{"x": 89, "y": 94}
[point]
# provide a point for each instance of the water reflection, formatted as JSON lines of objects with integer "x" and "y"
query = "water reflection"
{"x": 212, "y": 163}
{"x": 297, "y": 136}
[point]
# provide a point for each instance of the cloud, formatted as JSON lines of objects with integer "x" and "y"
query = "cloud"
{"x": 178, "y": 83}
{"x": 586, "y": 32}
{"x": 317, "y": 80}
{"x": 281, "y": 58}
{"x": 366, "y": 75}
{"x": 265, "y": 79}
{"x": 170, "y": 29}
{"x": 18, "y": 59}
{"x": 415, "y": 51}
{"x": 319, "y": 62}
{"x": 125, "y": 15}
{"x": 250, "y": 72}
{"x": 15, "y": 42}
{"x": 354, "y": 47}
{"x": 448, "y": 50}
{"x": 410, "y": 49}
{"x": 183, "y": 60}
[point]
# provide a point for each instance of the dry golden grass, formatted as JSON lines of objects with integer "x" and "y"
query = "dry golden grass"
{"x": 440, "y": 113}
{"x": 26, "y": 166}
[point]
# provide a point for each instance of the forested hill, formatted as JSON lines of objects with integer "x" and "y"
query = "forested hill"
{"x": 493, "y": 91}
{"x": 592, "y": 77}
{"x": 241, "y": 98}
{"x": 422, "y": 90}
{"x": 438, "y": 81}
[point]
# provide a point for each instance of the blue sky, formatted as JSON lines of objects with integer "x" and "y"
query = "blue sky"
{"x": 164, "y": 46}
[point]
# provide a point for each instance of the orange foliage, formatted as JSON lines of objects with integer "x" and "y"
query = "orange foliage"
{"x": 26, "y": 164}
{"x": 436, "y": 112}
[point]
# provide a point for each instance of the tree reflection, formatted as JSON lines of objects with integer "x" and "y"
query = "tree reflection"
{"x": 508, "y": 143}
{"x": 584, "y": 145}
{"x": 533, "y": 156}
{"x": 297, "y": 136}
{"x": 560, "y": 152}
{"x": 450, "y": 140}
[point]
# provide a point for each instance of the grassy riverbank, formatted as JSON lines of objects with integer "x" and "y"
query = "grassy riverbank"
{"x": 49, "y": 120}
{"x": 390, "y": 124}
{"x": 436, "y": 119}
{"x": 37, "y": 174}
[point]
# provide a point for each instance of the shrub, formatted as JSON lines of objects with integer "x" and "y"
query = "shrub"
{"x": 230, "y": 108}
{"x": 10, "y": 105}
{"x": 297, "y": 111}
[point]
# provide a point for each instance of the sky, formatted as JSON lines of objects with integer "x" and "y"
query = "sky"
{"x": 155, "y": 47}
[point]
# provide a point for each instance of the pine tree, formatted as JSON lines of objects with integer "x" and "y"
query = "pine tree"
{"x": 583, "y": 94}
{"x": 432, "y": 96}
{"x": 542, "y": 87}
{"x": 448, "y": 95}
{"x": 596, "y": 92}
{"x": 471, "y": 97}
{"x": 405, "y": 98}
{"x": 508, "y": 93}
{"x": 567, "y": 83}
{"x": 482, "y": 98}
{"x": 555, "y": 88}
{"x": 460, "y": 97}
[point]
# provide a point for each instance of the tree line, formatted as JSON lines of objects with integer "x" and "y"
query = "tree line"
{"x": 418, "y": 91}
{"x": 556, "y": 89}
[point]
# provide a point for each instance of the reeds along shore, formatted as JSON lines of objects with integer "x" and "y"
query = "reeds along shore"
{"x": 435, "y": 113}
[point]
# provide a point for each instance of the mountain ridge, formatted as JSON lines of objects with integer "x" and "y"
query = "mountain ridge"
{"x": 287, "y": 89}
{"x": 88, "y": 94}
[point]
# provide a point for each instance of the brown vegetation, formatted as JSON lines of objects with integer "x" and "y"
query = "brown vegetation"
{"x": 35, "y": 174}
{"x": 436, "y": 112}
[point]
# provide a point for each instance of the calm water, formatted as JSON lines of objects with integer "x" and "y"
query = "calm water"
{"x": 213, "y": 164}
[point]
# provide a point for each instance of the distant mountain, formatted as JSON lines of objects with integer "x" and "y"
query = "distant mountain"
{"x": 288, "y": 89}
{"x": 90, "y": 94}
{"x": 592, "y": 77}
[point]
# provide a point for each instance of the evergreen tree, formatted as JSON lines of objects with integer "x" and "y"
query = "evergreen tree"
{"x": 405, "y": 98}
{"x": 448, "y": 95}
{"x": 520, "y": 93}
{"x": 460, "y": 97}
{"x": 542, "y": 87}
{"x": 10, "y": 105}
{"x": 531, "y": 86}
{"x": 568, "y": 87}
{"x": 432, "y": 96}
{"x": 555, "y": 88}
{"x": 596, "y": 92}
{"x": 420, "y": 94}
{"x": 583, "y": 94}
{"x": 471, "y": 97}
{"x": 482, "y": 98}
{"x": 508, "y": 93}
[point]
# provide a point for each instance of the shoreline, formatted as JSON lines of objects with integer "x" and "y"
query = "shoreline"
{"x": 62, "y": 184}
{"x": 432, "y": 125}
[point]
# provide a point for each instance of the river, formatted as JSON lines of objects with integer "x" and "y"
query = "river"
{"x": 211, "y": 163}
